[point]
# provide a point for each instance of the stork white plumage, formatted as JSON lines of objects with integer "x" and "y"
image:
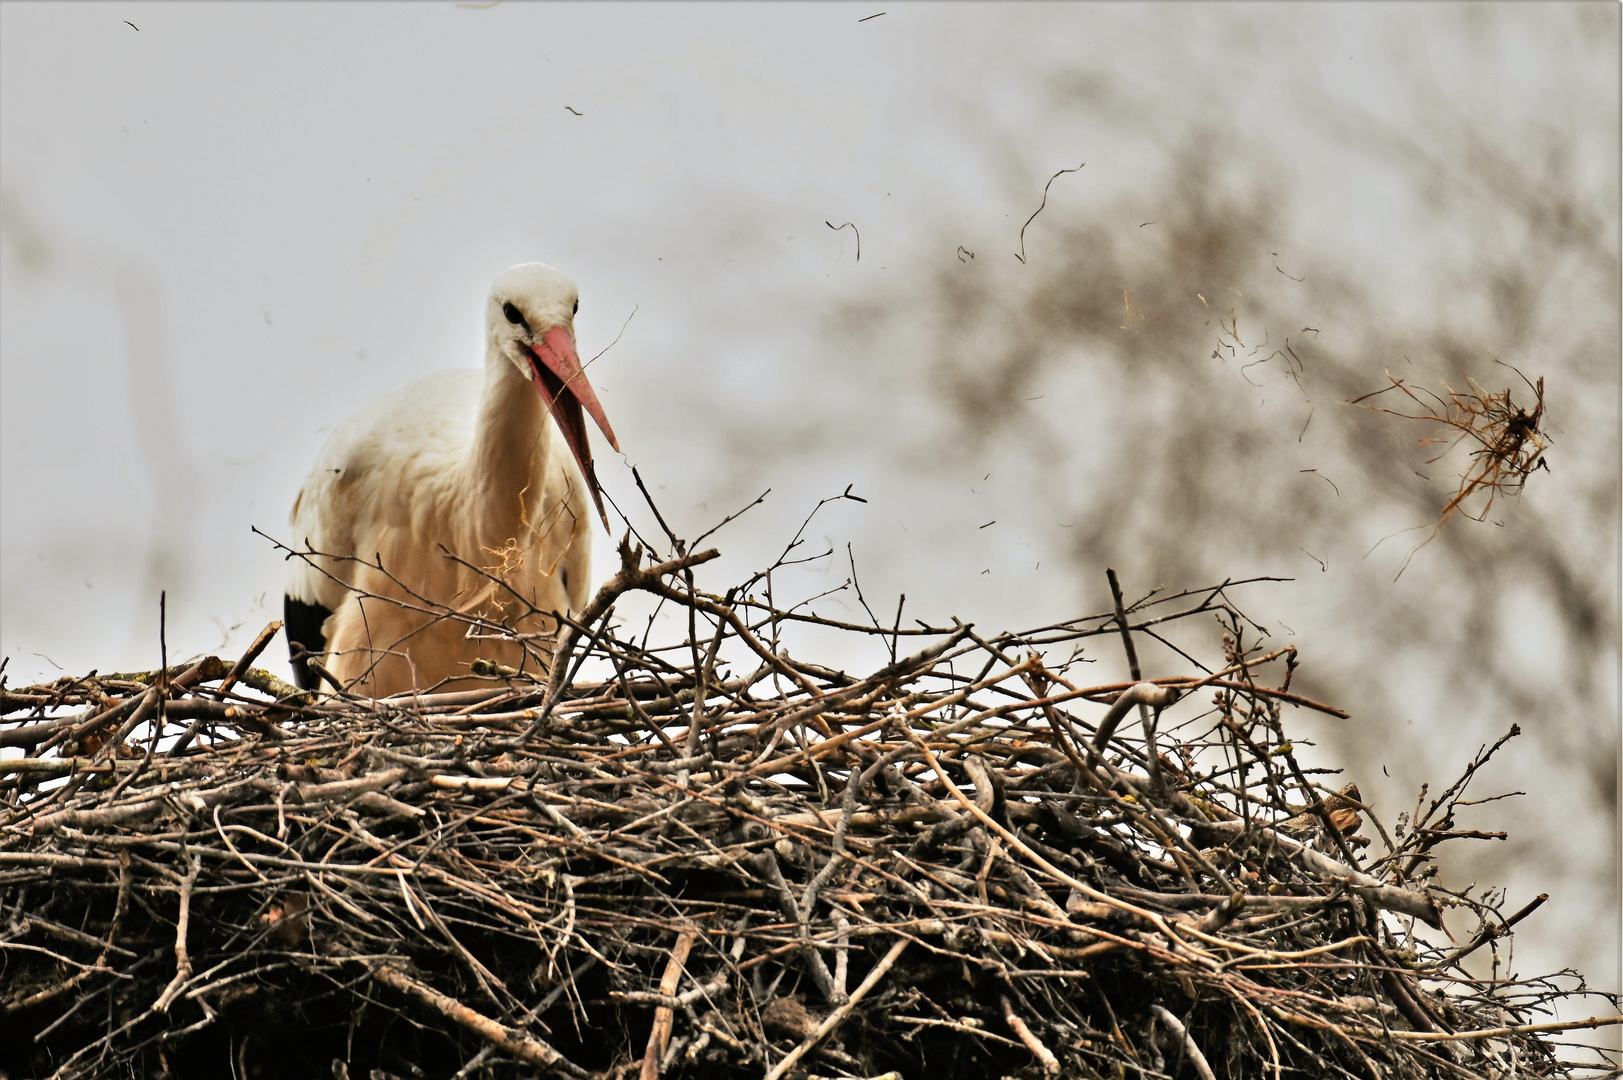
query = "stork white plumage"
{"x": 474, "y": 464}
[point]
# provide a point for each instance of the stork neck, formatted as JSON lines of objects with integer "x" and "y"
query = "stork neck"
{"x": 511, "y": 446}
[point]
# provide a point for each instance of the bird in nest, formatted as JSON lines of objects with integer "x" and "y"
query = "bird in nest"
{"x": 448, "y": 521}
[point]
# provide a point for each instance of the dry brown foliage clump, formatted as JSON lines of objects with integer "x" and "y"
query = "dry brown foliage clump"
{"x": 1508, "y": 442}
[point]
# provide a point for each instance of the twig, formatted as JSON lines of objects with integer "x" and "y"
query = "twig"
{"x": 1051, "y": 1064}
{"x": 1196, "y": 1058}
{"x": 838, "y": 1016}
{"x": 520, "y": 1044}
{"x": 660, "y": 1037}
{"x": 849, "y": 225}
{"x": 1022, "y": 255}
{"x": 183, "y": 960}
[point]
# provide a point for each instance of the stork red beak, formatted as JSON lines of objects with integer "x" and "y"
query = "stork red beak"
{"x": 557, "y": 374}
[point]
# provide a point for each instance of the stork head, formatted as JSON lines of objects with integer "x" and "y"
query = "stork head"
{"x": 530, "y": 319}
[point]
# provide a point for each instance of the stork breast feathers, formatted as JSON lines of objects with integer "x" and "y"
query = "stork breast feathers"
{"x": 465, "y": 461}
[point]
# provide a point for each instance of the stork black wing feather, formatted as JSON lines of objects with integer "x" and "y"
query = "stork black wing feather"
{"x": 304, "y": 637}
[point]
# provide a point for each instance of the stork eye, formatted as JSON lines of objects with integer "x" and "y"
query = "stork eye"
{"x": 513, "y": 315}
{"x": 577, "y": 309}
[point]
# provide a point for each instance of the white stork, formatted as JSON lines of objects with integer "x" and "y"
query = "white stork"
{"x": 463, "y": 461}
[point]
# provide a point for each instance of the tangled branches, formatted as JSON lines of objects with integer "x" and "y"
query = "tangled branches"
{"x": 1508, "y": 442}
{"x": 708, "y": 858}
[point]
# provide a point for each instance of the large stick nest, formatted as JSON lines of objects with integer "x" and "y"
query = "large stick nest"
{"x": 712, "y": 859}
